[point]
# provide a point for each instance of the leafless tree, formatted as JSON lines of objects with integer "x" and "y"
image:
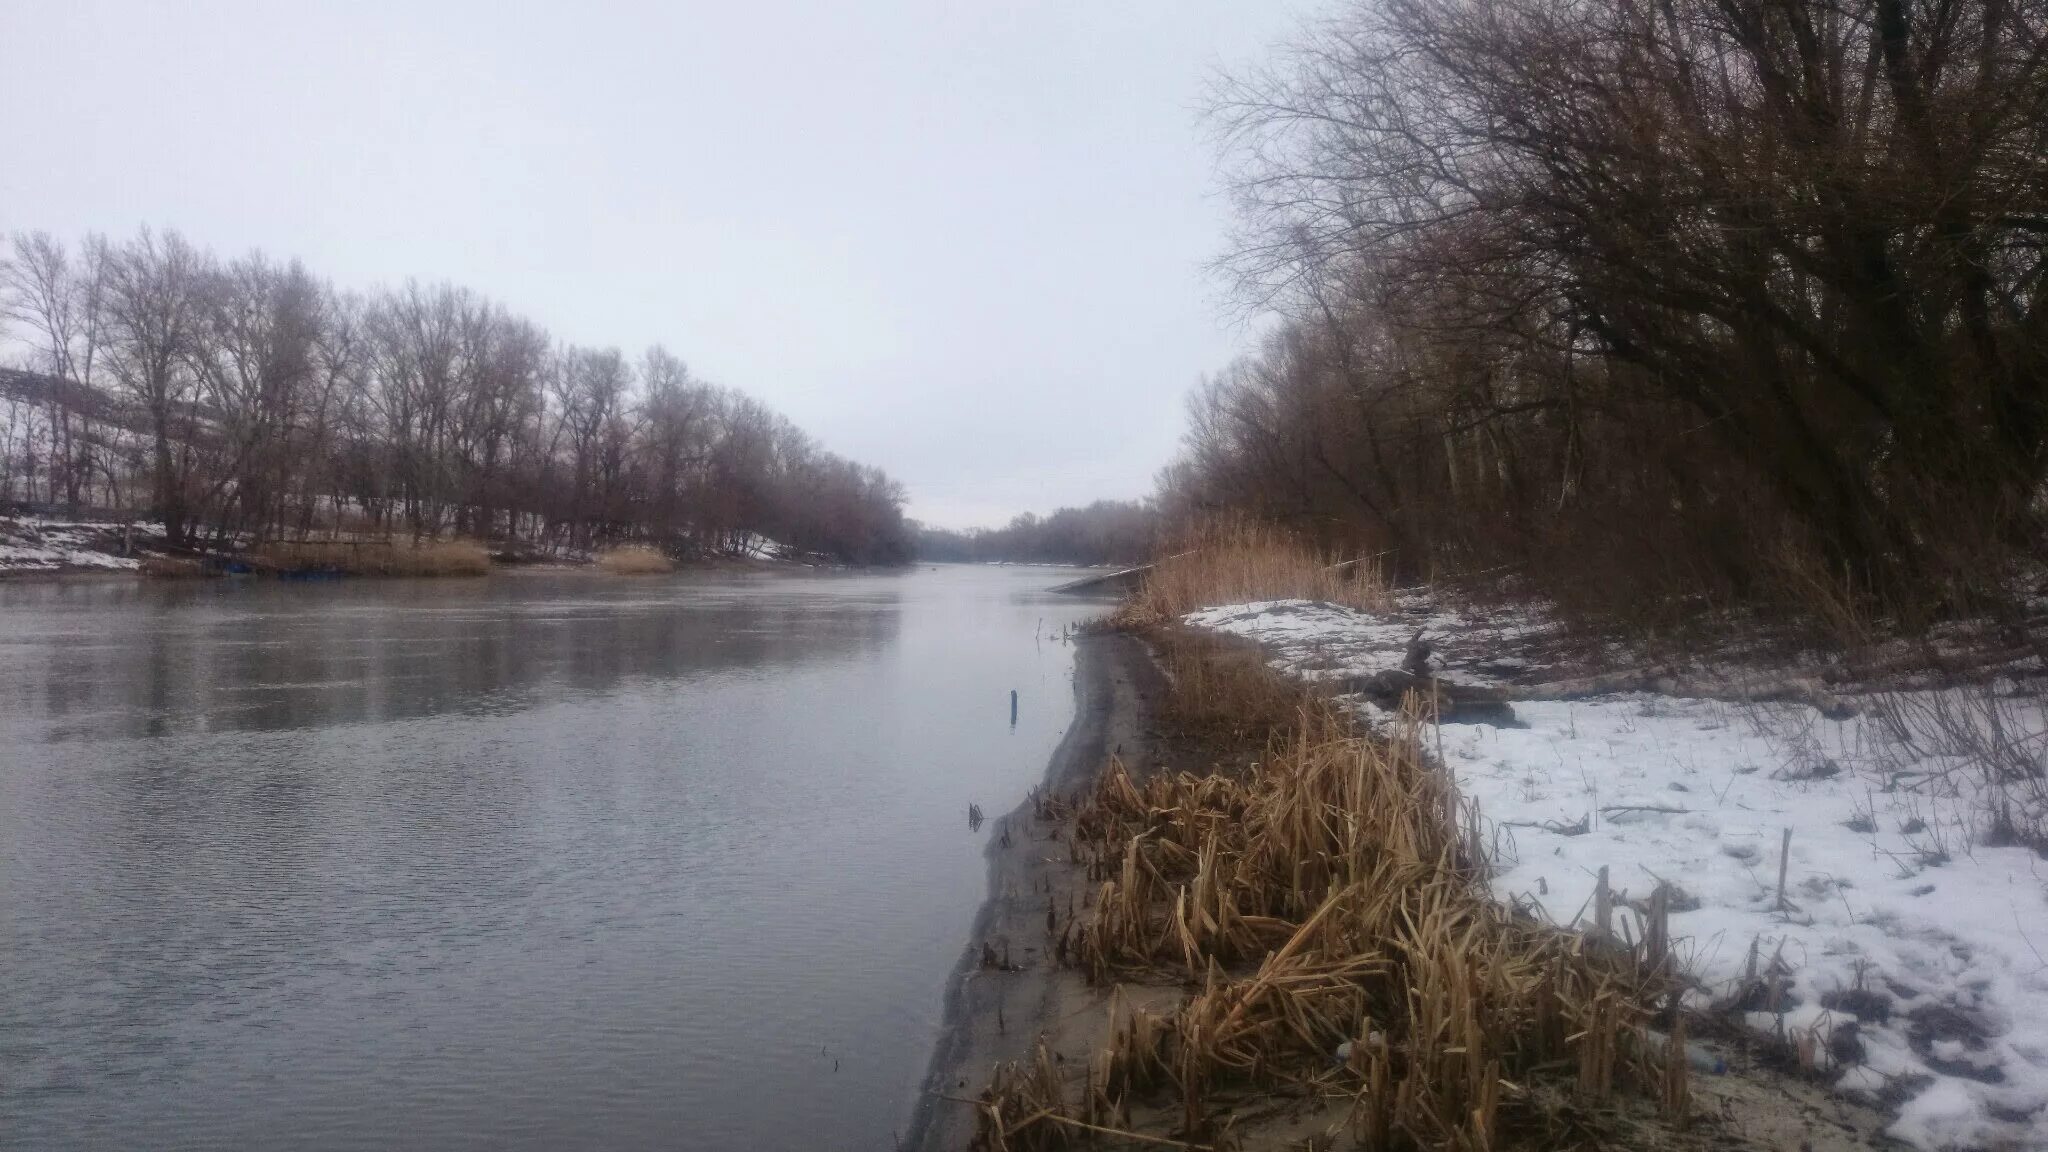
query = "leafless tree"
{"x": 155, "y": 312}
{"x": 248, "y": 399}
{"x": 1758, "y": 283}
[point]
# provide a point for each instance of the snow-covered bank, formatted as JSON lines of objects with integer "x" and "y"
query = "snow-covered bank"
{"x": 1909, "y": 957}
{"x": 33, "y": 544}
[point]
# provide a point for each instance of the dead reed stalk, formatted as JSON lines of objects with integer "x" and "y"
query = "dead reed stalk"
{"x": 1233, "y": 559}
{"x": 1328, "y": 901}
{"x": 375, "y": 557}
{"x": 172, "y": 567}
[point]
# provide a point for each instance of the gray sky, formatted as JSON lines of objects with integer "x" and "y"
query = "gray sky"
{"x": 961, "y": 241}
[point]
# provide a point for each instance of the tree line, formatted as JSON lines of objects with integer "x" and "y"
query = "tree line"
{"x": 1106, "y": 532}
{"x": 1728, "y": 298}
{"x": 248, "y": 399}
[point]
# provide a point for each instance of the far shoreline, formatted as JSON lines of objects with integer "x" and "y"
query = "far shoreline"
{"x": 93, "y": 573}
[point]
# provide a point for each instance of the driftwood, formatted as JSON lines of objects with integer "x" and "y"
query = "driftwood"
{"x": 1455, "y": 703}
{"x": 1460, "y": 703}
{"x": 1920, "y": 668}
{"x": 1759, "y": 690}
{"x": 1121, "y": 580}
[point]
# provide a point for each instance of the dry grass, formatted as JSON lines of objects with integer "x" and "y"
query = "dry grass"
{"x": 375, "y": 557}
{"x": 1225, "y": 700}
{"x": 172, "y": 567}
{"x": 1333, "y": 893}
{"x": 1230, "y": 560}
{"x": 634, "y": 560}
{"x": 1967, "y": 739}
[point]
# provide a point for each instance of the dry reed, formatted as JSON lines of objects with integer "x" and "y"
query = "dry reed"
{"x": 1232, "y": 559}
{"x": 1225, "y": 698}
{"x": 1332, "y": 899}
{"x": 374, "y": 557}
{"x": 635, "y": 560}
{"x": 171, "y": 567}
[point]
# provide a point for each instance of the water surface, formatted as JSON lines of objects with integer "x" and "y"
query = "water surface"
{"x": 533, "y": 861}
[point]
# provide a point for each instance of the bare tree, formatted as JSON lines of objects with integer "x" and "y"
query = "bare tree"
{"x": 257, "y": 361}
{"x": 1762, "y": 281}
{"x": 155, "y": 306}
{"x": 58, "y": 298}
{"x": 248, "y": 399}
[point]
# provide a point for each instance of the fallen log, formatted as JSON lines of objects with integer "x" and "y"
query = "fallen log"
{"x": 1666, "y": 682}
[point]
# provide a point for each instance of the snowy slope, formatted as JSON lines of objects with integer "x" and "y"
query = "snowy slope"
{"x": 38, "y": 545}
{"x": 1911, "y": 954}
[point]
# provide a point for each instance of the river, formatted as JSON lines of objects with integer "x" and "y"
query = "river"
{"x": 530, "y": 861}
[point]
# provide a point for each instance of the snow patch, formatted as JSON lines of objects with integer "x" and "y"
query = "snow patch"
{"x": 1915, "y": 956}
{"x": 34, "y": 544}
{"x": 1318, "y": 641}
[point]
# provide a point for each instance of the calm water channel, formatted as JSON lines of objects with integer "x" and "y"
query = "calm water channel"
{"x": 533, "y": 861}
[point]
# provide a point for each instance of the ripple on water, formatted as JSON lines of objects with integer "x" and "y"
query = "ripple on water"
{"x": 513, "y": 863}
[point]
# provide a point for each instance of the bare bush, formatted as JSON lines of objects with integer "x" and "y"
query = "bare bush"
{"x": 1986, "y": 743}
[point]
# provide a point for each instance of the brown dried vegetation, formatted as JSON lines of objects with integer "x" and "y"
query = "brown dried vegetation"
{"x": 375, "y": 557}
{"x": 1327, "y": 898}
{"x": 1229, "y": 558}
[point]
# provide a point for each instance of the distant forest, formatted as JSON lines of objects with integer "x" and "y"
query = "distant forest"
{"x": 249, "y": 399}
{"x": 1646, "y": 305}
{"x": 1105, "y": 532}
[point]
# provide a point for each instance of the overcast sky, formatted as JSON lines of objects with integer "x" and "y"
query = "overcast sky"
{"x": 959, "y": 240}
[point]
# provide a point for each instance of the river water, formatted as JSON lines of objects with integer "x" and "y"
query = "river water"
{"x": 533, "y": 861}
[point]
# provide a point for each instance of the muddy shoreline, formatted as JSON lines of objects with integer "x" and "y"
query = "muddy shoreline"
{"x": 995, "y": 1014}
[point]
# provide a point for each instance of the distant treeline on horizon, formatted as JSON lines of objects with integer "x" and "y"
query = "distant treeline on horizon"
{"x": 1105, "y": 532}
{"x": 249, "y": 399}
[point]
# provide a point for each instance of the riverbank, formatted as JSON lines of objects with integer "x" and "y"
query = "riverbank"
{"x": 1853, "y": 855}
{"x": 1083, "y": 1038}
{"x": 38, "y": 547}
{"x": 1004, "y": 992}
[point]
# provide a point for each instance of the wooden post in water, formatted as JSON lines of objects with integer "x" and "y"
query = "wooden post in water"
{"x": 1013, "y": 707}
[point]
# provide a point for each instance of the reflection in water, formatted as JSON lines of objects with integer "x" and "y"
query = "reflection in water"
{"x": 138, "y": 659}
{"x": 521, "y": 862}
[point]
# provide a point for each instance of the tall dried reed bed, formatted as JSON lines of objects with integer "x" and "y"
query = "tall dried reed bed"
{"x": 375, "y": 557}
{"x": 1231, "y": 560}
{"x": 172, "y": 567}
{"x": 634, "y": 560}
{"x": 1225, "y": 700}
{"x": 1334, "y": 893}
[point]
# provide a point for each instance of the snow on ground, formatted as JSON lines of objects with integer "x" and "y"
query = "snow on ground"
{"x": 1319, "y": 641}
{"x": 1913, "y": 956}
{"x": 33, "y": 544}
